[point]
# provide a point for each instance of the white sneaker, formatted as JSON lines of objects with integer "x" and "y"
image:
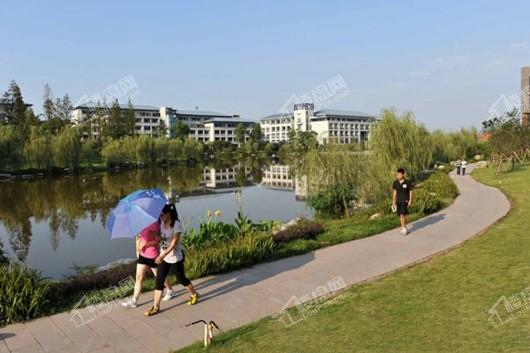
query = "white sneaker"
{"x": 131, "y": 303}
{"x": 170, "y": 294}
{"x": 404, "y": 231}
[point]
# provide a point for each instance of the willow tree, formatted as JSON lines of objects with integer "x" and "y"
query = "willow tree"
{"x": 38, "y": 149}
{"x": 401, "y": 142}
{"x": 334, "y": 176}
{"x": 66, "y": 147}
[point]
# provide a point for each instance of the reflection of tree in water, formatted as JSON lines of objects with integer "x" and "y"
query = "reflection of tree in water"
{"x": 63, "y": 201}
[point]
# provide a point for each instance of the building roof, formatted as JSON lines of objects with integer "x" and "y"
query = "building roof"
{"x": 202, "y": 113}
{"x": 278, "y": 116}
{"x": 343, "y": 113}
{"x": 230, "y": 120}
{"x": 91, "y": 105}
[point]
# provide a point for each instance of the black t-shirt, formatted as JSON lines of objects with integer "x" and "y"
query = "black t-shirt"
{"x": 403, "y": 190}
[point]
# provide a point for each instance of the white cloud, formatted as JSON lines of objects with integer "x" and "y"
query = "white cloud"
{"x": 523, "y": 44}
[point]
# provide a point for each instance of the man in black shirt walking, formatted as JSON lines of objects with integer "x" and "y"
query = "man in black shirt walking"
{"x": 401, "y": 198}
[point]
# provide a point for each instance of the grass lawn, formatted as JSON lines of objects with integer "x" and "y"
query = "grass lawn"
{"x": 438, "y": 306}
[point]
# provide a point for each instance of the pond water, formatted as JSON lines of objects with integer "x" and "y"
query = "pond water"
{"x": 57, "y": 225}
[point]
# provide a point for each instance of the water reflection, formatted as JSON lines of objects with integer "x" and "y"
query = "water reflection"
{"x": 64, "y": 208}
{"x": 281, "y": 176}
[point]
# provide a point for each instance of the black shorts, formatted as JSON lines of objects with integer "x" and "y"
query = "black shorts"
{"x": 146, "y": 261}
{"x": 402, "y": 208}
{"x": 165, "y": 268}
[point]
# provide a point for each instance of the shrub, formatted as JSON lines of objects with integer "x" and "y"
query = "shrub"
{"x": 304, "y": 229}
{"x": 241, "y": 252}
{"x": 426, "y": 202}
{"x": 441, "y": 184}
{"x": 23, "y": 293}
{"x": 431, "y": 195}
{"x": 332, "y": 203}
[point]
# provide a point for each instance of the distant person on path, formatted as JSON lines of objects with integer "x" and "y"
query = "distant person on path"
{"x": 147, "y": 244}
{"x": 464, "y": 166}
{"x": 402, "y": 198}
{"x": 458, "y": 166}
{"x": 171, "y": 258}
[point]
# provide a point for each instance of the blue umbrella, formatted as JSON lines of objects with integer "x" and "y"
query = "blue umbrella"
{"x": 135, "y": 212}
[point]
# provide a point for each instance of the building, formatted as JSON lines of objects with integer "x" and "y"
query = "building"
{"x": 525, "y": 94}
{"x": 276, "y": 127}
{"x": 147, "y": 117}
{"x": 339, "y": 126}
{"x": 194, "y": 119}
{"x": 224, "y": 129}
{"x": 204, "y": 126}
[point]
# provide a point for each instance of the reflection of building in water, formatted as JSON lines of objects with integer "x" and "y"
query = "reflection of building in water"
{"x": 279, "y": 176}
{"x": 213, "y": 179}
{"x": 226, "y": 177}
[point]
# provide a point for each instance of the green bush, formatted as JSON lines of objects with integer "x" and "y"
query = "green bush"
{"x": 227, "y": 256}
{"x": 432, "y": 194}
{"x": 441, "y": 184}
{"x": 332, "y": 203}
{"x": 23, "y": 293}
{"x": 305, "y": 229}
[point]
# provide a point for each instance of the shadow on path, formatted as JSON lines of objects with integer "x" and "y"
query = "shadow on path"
{"x": 428, "y": 221}
{"x": 239, "y": 279}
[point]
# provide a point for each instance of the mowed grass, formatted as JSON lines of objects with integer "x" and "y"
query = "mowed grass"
{"x": 438, "y": 306}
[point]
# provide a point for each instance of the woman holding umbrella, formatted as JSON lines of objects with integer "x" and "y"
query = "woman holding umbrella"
{"x": 138, "y": 213}
{"x": 147, "y": 250}
{"x": 171, "y": 257}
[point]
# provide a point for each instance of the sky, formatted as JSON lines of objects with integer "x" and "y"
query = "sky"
{"x": 449, "y": 62}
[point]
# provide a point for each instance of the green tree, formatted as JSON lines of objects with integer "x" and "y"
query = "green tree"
{"x": 19, "y": 107}
{"x": 130, "y": 120}
{"x": 240, "y": 133}
{"x": 38, "y": 149}
{"x": 256, "y": 134}
{"x": 180, "y": 130}
{"x": 11, "y": 148}
{"x": 48, "y": 107}
{"x": 114, "y": 123}
{"x": 66, "y": 147}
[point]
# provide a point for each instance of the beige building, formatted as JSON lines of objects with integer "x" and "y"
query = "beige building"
{"x": 276, "y": 127}
{"x": 330, "y": 125}
{"x": 525, "y": 93}
{"x": 147, "y": 117}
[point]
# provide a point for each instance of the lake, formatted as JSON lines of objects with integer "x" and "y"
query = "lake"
{"x": 57, "y": 225}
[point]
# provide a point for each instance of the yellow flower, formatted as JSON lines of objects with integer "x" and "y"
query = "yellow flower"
{"x": 218, "y": 213}
{"x": 209, "y": 213}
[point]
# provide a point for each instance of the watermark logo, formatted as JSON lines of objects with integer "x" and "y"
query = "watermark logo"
{"x": 321, "y": 96}
{"x": 93, "y": 306}
{"x": 126, "y": 87}
{"x": 509, "y": 103}
{"x": 309, "y": 304}
{"x": 507, "y": 308}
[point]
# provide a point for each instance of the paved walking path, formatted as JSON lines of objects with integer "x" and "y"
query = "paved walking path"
{"x": 244, "y": 296}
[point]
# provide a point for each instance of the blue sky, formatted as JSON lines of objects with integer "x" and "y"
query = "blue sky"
{"x": 447, "y": 61}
